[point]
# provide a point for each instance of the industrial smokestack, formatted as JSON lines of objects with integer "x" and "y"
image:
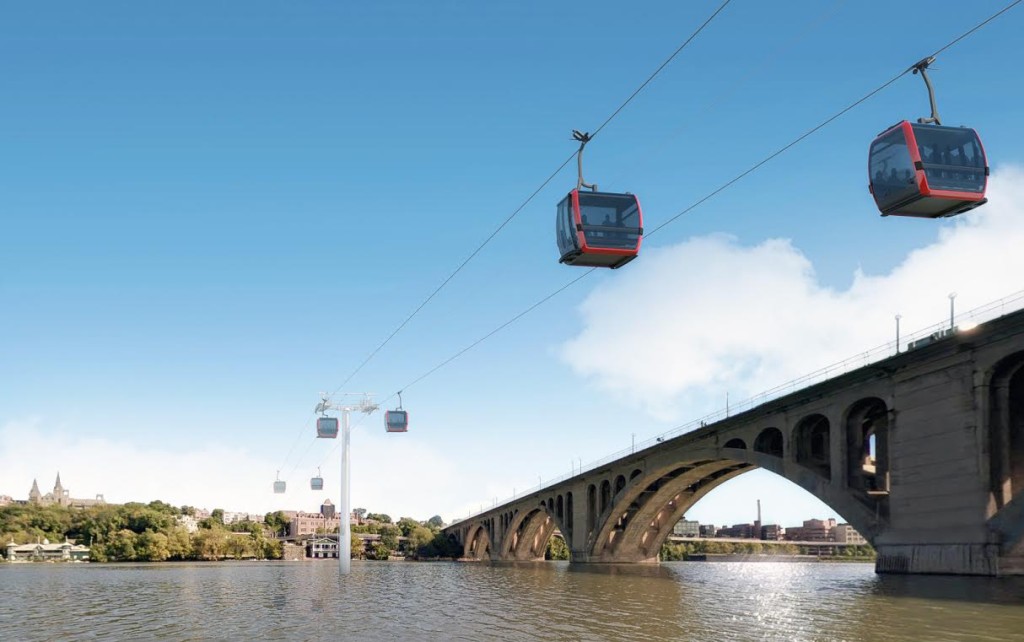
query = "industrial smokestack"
{"x": 759, "y": 512}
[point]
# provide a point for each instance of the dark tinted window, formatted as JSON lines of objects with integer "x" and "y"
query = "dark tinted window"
{"x": 892, "y": 172}
{"x": 952, "y": 158}
{"x": 565, "y": 228}
{"x": 610, "y": 220}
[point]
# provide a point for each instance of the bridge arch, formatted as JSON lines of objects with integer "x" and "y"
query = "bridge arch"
{"x": 641, "y": 518}
{"x": 606, "y": 495}
{"x": 812, "y": 442}
{"x": 737, "y": 443}
{"x": 1006, "y": 429}
{"x": 867, "y": 448}
{"x": 528, "y": 534}
{"x": 478, "y": 542}
{"x": 635, "y": 533}
{"x": 770, "y": 442}
{"x": 629, "y": 501}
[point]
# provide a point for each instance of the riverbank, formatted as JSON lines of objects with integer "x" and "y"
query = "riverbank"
{"x": 780, "y": 558}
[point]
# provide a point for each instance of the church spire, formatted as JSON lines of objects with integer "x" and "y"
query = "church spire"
{"x": 34, "y": 495}
{"x": 57, "y": 485}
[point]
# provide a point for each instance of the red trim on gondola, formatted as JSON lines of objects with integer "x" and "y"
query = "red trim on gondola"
{"x": 582, "y": 238}
{"x": 921, "y": 175}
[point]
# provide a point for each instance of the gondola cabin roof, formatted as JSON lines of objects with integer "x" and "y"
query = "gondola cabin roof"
{"x": 396, "y": 421}
{"x": 927, "y": 171}
{"x": 598, "y": 229}
{"x": 327, "y": 427}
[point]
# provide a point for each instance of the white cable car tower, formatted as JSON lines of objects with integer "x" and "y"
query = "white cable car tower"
{"x": 364, "y": 405}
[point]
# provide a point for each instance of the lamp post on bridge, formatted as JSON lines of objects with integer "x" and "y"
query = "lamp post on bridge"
{"x": 898, "y": 317}
{"x": 952, "y": 297}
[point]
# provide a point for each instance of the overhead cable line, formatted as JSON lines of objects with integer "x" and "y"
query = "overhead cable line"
{"x": 530, "y": 198}
{"x": 765, "y": 61}
{"x": 515, "y": 213}
{"x": 826, "y": 122}
{"x": 707, "y": 197}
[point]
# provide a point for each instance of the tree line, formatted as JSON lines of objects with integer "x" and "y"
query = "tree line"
{"x": 139, "y": 532}
{"x": 675, "y": 552}
{"x": 422, "y": 540}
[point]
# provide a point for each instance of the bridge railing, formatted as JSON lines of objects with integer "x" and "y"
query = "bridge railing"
{"x": 963, "y": 322}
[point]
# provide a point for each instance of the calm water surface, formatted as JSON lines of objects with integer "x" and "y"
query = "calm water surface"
{"x": 450, "y": 601}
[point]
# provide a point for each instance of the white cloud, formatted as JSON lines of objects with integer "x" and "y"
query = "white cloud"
{"x": 694, "y": 320}
{"x": 398, "y": 477}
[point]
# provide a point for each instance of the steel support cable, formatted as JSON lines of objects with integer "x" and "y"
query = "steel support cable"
{"x": 827, "y": 121}
{"x": 530, "y": 198}
{"x": 707, "y": 197}
{"x": 516, "y": 212}
{"x": 765, "y": 62}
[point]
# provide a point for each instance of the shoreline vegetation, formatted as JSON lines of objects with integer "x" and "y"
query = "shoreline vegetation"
{"x": 759, "y": 550}
{"x": 155, "y": 532}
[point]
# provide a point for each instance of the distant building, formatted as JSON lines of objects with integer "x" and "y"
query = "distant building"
{"x": 5, "y": 500}
{"x": 47, "y": 552}
{"x": 772, "y": 532}
{"x": 60, "y": 497}
{"x": 327, "y": 509}
{"x": 326, "y": 547}
{"x": 846, "y": 534}
{"x": 314, "y": 523}
{"x": 813, "y": 530}
{"x": 190, "y": 523}
{"x": 686, "y": 528}
{"x": 707, "y": 530}
{"x": 741, "y": 531}
{"x": 322, "y": 547}
{"x": 235, "y": 517}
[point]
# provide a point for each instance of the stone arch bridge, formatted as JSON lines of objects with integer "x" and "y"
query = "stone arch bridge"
{"x": 923, "y": 453}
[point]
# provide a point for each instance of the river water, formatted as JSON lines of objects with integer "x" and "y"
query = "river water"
{"x": 470, "y": 601}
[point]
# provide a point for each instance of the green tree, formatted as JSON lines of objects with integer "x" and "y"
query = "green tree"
{"x": 383, "y": 518}
{"x": 389, "y": 536}
{"x": 417, "y": 540}
{"x": 152, "y": 547}
{"x": 209, "y": 544}
{"x": 356, "y": 551}
{"x": 435, "y": 522}
{"x": 556, "y": 549}
{"x": 441, "y": 546}
{"x": 380, "y": 551}
{"x": 277, "y": 522}
{"x": 407, "y": 524}
{"x": 360, "y": 513}
{"x": 121, "y": 547}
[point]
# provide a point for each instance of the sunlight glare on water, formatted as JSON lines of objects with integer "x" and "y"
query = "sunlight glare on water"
{"x": 544, "y": 601}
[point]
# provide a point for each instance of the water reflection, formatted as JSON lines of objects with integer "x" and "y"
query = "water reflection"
{"x": 516, "y": 601}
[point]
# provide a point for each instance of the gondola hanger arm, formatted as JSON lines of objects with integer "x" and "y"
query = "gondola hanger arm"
{"x": 921, "y": 67}
{"x": 583, "y": 138}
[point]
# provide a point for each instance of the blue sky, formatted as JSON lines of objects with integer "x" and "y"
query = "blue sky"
{"x": 209, "y": 213}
